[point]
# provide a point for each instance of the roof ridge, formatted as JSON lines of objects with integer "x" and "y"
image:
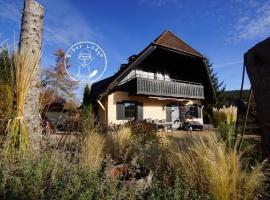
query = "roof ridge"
{"x": 170, "y": 40}
{"x": 163, "y": 33}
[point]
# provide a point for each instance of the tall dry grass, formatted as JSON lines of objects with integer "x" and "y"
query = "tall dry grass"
{"x": 25, "y": 65}
{"x": 93, "y": 150}
{"x": 210, "y": 166}
{"x": 119, "y": 144}
{"x": 116, "y": 144}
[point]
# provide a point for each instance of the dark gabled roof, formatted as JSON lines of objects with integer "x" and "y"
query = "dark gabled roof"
{"x": 56, "y": 106}
{"x": 166, "y": 40}
{"x": 104, "y": 86}
{"x": 100, "y": 87}
{"x": 169, "y": 40}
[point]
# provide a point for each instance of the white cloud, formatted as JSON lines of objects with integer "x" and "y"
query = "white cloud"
{"x": 62, "y": 27}
{"x": 254, "y": 24}
{"x": 66, "y": 26}
{"x": 10, "y": 11}
{"x": 232, "y": 63}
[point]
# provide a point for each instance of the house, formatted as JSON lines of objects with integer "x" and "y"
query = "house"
{"x": 58, "y": 112}
{"x": 166, "y": 83}
{"x": 55, "y": 112}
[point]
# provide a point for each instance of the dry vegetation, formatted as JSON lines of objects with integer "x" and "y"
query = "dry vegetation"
{"x": 225, "y": 115}
{"x": 25, "y": 65}
{"x": 225, "y": 119}
{"x": 93, "y": 151}
{"x": 209, "y": 165}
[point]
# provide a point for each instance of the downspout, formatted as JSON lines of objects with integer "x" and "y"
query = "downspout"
{"x": 202, "y": 111}
{"x": 103, "y": 108}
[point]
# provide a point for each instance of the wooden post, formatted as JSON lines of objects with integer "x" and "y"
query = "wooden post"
{"x": 245, "y": 122}
{"x": 31, "y": 37}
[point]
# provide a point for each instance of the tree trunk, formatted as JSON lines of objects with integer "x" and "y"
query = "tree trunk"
{"x": 31, "y": 36}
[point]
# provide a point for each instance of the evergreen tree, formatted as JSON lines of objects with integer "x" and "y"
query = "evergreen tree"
{"x": 219, "y": 87}
{"x": 87, "y": 110}
{"x": 86, "y": 96}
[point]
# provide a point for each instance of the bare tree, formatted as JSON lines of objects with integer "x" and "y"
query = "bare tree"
{"x": 31, "y": 37}
{"x": 56, "y": 77}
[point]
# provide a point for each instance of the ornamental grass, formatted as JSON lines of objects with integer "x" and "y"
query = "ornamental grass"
{"x": 225, "y": 120}
{"x": 211, "y": 167}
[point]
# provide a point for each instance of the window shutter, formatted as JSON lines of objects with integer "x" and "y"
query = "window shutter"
{"x": 183, "y": 113}
{"x": 168, "y": 114}
{"x": 120, "y": 111}
{"x": 188, "y": 113}
{"x": 139, "y": 111}
{"x": 199, "y": 112}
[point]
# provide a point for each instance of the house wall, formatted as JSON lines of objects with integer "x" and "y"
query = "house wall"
{"x": 56, "y": 118}
{"x": 152, "y": 107}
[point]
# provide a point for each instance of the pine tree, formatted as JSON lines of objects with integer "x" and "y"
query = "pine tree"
{"x": 86, "y": 96}
{"x": 219, "y": 87}
{"x": 87, "y": 110}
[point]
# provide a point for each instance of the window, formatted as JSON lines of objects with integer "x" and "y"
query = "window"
{"x": 159, "y": 76}
{"x": 195, "y": 111}
{"x": 130, "y": 110}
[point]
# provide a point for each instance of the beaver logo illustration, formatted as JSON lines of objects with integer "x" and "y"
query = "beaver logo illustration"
{"x": 88, "y": 62}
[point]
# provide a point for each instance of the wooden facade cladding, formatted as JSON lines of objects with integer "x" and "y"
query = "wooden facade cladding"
{"x": 145, "y": 86}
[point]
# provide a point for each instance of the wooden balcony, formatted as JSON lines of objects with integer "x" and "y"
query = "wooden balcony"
{"x": 146, "y": 86}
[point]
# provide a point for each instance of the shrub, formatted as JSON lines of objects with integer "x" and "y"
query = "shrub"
{"x": 178, "y": 190}
{"x": 47, "y": 176}
{"x": 105, "y": 128}
{"x": 145, "y": 132}
{"x": 56, "y": 176}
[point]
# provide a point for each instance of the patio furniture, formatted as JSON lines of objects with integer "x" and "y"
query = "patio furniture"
{"x": 196, "y": 125}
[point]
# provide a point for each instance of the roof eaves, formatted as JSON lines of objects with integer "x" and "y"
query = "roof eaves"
{"x": 148, "y": 50}
{"x": 179, "y": 51}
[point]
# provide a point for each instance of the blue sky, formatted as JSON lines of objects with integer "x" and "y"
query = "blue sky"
{"x": 222, "y": 30}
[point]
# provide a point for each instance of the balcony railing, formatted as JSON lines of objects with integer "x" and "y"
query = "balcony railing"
{"x": 178, "y": 89}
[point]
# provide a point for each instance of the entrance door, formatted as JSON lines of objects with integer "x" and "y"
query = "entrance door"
{"x": 175, "y": 116}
